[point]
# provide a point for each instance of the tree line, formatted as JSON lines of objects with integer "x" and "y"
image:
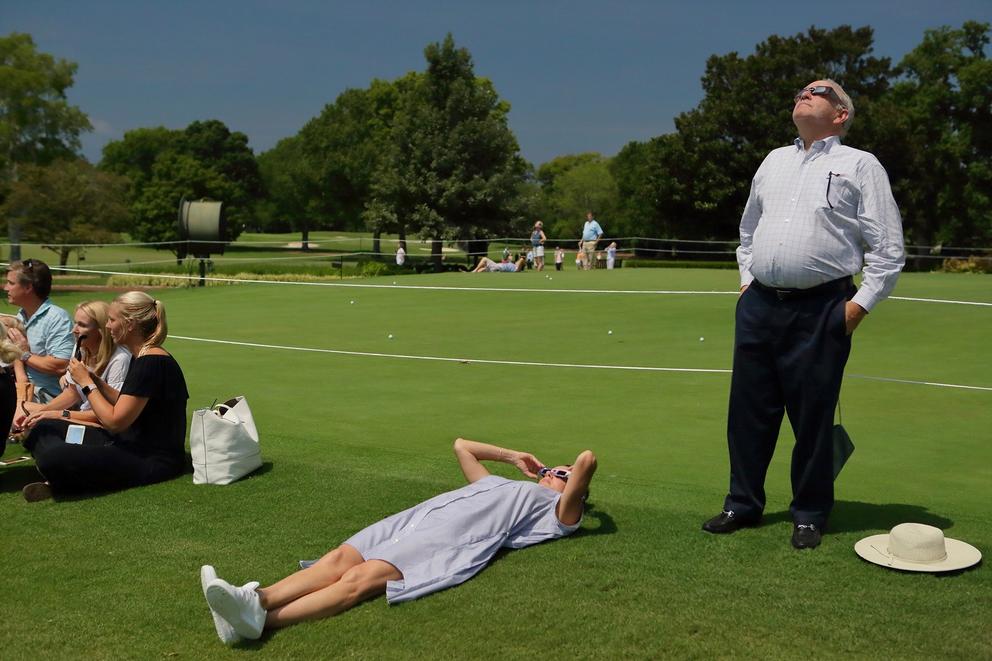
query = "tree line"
{"x": 431, "y": 153}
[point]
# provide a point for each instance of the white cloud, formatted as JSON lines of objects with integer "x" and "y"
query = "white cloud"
{"x": 102, "y": 127}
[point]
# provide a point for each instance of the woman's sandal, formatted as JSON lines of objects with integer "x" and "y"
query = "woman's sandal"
{"x": 37, "y": 491}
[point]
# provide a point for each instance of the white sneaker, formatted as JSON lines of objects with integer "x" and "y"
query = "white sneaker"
{"x": 239, "y": 607}
{"x": 225, "y": 631}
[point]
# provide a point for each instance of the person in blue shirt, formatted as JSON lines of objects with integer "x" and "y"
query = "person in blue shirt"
{"x": 47, "y": 341}
{"x": 437, "y": 544}
{"x": 591, "y": 234}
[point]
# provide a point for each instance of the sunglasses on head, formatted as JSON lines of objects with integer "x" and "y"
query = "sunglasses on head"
{"x": 560, "y": 473}
{"x": 818, "y": 90}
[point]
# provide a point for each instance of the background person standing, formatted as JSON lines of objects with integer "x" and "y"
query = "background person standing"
{"x": 818, "y": 212}
{"x": 591, "y": 233}
{"x": 537, "y": 240}
{"x": 611, "y": 255}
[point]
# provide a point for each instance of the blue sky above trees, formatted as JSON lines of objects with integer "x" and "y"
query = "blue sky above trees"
{"x": 580, "y": 75}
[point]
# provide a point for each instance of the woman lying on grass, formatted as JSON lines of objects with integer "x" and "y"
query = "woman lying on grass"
{"x": 492, "y": 266}
{"x": 439, "y": 543}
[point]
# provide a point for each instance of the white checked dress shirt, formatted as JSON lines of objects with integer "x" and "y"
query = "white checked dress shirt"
{"x": 820, "y": 215}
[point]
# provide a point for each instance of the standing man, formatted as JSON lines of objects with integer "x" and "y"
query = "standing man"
{"x": 818, "y": 213}
{"x": 591, "y": 234}
{"x": 47, "y": 341}
{"x": 400, "y": 255}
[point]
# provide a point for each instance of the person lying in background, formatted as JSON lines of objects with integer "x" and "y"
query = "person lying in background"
{"x": 492, "y": 266}
{"x": 437, "y": 544}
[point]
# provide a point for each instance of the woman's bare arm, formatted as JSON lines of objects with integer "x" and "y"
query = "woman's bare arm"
{"x": 471, "y": 454}
{"x": 572, "y": 501}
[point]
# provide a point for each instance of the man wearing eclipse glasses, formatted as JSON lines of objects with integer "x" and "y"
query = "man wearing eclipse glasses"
{"x": 818, "y": 213}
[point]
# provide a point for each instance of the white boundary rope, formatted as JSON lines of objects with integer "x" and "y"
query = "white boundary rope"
{"x": 529, "y": 363}
{"x": 369, "y": 285}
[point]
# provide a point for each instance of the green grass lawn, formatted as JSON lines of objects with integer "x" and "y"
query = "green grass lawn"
{"x": 348, "y": 439}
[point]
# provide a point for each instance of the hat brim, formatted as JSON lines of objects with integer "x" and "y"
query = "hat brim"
{"x": 960, "y": 555}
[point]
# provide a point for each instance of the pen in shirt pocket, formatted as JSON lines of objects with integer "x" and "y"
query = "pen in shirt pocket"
{"x": 830, "y": 177}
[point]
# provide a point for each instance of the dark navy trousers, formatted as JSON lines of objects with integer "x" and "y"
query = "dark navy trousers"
{"x": 96, "y": 465}
{"x": 789, "y": 357}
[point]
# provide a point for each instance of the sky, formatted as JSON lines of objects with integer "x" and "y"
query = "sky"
{"x": 579, "y": 75}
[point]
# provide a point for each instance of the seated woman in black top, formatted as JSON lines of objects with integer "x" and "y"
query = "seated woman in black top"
{"x": 144, "y": 426}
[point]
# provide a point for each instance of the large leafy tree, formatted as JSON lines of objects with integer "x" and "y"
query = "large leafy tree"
{"x": 936, "y": 125}
{"x": 695, "y": 181}
{"x": 290, "y": 188}
{"x": 68, "y": 202}
{"x": 453, "y": 170}
{"x": 204, "y": 160}
{"x": 37, "y": 122}
{"x": 346, "y": 143}
{"x": 573, "y": 184}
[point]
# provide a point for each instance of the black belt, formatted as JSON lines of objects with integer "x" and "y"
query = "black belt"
{"x": 785, "y": 294}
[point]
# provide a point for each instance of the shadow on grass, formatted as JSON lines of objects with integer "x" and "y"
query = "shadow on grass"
{"x": 16, "y": 477}
{"x": 855, "y": 516}
{"x": 606, "y": 525}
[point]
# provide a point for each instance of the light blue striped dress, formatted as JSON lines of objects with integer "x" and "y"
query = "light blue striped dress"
{"x": 448, "y": 539}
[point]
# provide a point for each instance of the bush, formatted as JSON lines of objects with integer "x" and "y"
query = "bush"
{"x": 159, "y": 281}
{"x": 971, "y": 265}
{"x": 373, "y": 269}
{"x": 675, "y": 264}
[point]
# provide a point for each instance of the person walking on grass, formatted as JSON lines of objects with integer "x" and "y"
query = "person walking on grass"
{"x": 559, "y": 257}
{"x": 818, "y": 212}
{"x": 437, "y": 544}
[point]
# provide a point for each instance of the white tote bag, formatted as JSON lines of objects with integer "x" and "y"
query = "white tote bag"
{"x": 223, "y": 442}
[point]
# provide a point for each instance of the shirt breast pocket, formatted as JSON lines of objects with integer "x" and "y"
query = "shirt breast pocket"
{"x": 840, "y": 194}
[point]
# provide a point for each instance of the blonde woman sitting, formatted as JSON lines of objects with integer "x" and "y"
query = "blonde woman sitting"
{"x": 104, "y": 359}
{"x": 142, "y": 433}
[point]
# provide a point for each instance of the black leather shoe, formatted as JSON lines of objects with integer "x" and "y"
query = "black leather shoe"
{"x": 727, "y": 522}
{"x": 806, "y": 536}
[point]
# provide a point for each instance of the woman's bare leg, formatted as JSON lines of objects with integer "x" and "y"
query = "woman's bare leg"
{"x": 326, "y": 571}
{"x": 359, "y": 583}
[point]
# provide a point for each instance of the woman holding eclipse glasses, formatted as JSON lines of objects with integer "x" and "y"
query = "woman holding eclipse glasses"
{"x": 142, "y": 426}
{"x": 437, "y": 544}
{"x": 96, "y": 349}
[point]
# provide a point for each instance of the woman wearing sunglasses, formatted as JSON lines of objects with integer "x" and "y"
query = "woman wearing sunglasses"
{"x": 440, "y": 543}
{"x": 142, "y": 426}
{"x": 104, "y": 358}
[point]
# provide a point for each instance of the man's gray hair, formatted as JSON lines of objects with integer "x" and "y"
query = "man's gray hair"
{"x": 845, "y": 102}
